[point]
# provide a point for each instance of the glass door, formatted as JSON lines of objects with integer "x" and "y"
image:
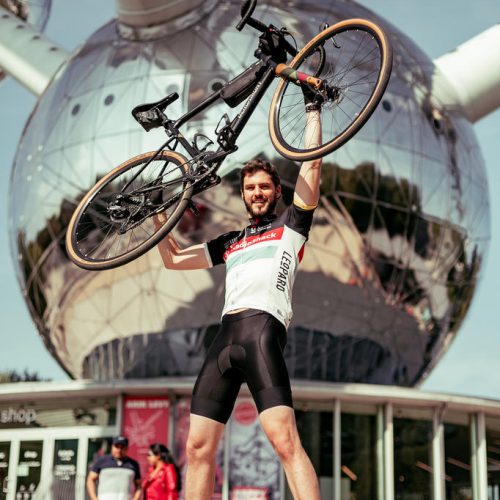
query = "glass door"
{"x": 29, "y": 469}
{"x": 64, "y": 469}
{"x": 4, "y": 469}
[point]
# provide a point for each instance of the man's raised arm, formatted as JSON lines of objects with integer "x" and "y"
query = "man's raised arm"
{"x": 175, "y": 257}
{"x": 307, "y": 187}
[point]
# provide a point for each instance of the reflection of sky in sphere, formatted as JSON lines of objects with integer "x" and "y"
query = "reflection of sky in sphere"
{"x": 393, "y": 256}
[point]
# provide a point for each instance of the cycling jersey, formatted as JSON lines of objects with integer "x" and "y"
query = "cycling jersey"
{"x": 261, "y": 262}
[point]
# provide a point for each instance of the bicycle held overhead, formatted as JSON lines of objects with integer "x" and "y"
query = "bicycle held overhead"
{"x": 344, "y": 70}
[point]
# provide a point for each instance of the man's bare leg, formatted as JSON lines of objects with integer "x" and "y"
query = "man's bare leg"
{"x": 281, "y": 429}
{"x": 201, "y": 447}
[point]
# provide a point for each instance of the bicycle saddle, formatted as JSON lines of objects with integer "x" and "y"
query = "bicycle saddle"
{"x": 150, "y": 115}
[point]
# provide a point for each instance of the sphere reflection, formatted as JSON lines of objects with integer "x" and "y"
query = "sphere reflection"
{"x": 393, "y": 258}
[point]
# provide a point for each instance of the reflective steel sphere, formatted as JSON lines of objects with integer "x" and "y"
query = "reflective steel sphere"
{"x": 397, "y": 244}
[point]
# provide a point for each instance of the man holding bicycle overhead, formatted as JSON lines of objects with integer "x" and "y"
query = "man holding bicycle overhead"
{"x": 261, "y": 263}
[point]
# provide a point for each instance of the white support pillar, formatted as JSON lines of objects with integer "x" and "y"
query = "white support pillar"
{"x": 473, "y": 71}
{"x": 380, "y": 453}
{"x": 336, "y": 449}
{"x": 473, "y": 457}
{"x": 388, "y": 453}
{"x": 27, "y": 55}
{"x": 438, "y": 463}
{"x": 172, "y": 400}
{"x": 119, "y": 414}
{"x": 81, "y": 467}
{"x": 482, "y": 473}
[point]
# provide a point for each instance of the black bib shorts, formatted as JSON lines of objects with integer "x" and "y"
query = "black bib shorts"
{"x": 248, "y": 348}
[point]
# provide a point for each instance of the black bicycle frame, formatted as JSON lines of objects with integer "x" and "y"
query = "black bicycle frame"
{"x": 228, "y": 135}
{"x": 271, "y": 51}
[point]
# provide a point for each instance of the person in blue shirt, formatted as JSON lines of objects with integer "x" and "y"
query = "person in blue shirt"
{"x": 116, "y": 476}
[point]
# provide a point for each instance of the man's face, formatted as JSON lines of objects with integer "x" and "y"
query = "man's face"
{"x": 260, "y": 195}
{"x": 118, "y": 451}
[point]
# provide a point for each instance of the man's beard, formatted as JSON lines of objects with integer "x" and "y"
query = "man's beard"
{"x": 269, "y": 211}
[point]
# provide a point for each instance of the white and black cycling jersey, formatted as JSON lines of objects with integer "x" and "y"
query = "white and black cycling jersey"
{"x": 261, "y": 262}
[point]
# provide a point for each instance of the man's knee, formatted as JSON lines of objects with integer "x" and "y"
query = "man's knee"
{"x": 284, "y": 439}
{"x": 203, "y": 439}
{"x": 280, "y": 427}
{"x": 200, "y": 448}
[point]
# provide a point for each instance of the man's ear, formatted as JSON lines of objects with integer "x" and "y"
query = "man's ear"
{"x": 278, "y": 191}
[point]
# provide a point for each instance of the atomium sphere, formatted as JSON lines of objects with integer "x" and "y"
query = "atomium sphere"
{"x": 34, "y": 12}
{"x": 397, "y": 244}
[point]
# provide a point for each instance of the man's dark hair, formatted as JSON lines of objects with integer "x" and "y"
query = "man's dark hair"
{"x": 253, "y": 166}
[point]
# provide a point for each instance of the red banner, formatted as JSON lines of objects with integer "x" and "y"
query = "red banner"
{"x": 145, "y": 421}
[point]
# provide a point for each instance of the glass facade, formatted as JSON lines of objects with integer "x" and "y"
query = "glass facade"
{"x": 457, "y": 449}
{"x": 412, "y": 459}
{"x": 358, "y": 456}
{"x": 384, "y": 448}
{"x": 316, "y": 432}
{"x": 493, "y": 457}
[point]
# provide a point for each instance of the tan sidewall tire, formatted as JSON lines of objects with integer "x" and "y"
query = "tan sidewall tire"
{"x": 386, "y": 66}
{"x": 141, "y": 249}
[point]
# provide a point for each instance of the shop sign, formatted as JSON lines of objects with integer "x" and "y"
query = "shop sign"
{"x": 25, "y": 416}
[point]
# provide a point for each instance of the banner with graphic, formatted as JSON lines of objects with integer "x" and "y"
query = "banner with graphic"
{"x": 145, "y": 421}
{"x": 254, "y": 467}
{"x": 182, "y": 411}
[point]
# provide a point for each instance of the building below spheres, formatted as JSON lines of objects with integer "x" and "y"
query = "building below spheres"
{"x": 366, "y": 442}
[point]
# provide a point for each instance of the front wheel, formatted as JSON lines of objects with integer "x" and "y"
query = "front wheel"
{"x": 113, "y": 225}
{"x": 356, "y": 70}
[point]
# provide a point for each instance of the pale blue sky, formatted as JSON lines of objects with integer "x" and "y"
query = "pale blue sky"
{"x": 471, "y": 365}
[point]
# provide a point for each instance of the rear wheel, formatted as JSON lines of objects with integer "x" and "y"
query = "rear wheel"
{"x": 113, "y": 225}
{"x": 356, "y": 70}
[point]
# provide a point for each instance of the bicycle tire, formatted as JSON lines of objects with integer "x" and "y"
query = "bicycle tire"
{"x": 84, "y": 230}
{"x": 295, "y": 108}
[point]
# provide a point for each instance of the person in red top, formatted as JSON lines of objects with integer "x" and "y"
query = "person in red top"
{"x": 163, "y": 481}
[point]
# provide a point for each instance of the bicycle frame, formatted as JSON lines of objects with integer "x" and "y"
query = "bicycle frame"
{"x": 273, "y": 51}
{"x": 230, "y": 132}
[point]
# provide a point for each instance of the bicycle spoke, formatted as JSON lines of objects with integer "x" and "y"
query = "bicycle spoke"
{"x": 116, "y": 221}
{"x": 350, "y": 74}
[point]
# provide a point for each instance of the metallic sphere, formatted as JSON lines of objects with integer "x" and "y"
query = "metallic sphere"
{"x": 397, "y": 244}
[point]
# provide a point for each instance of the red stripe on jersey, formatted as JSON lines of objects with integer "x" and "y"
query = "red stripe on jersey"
{"x": 273, "y": 234}
{"x": 301, "y": 253}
